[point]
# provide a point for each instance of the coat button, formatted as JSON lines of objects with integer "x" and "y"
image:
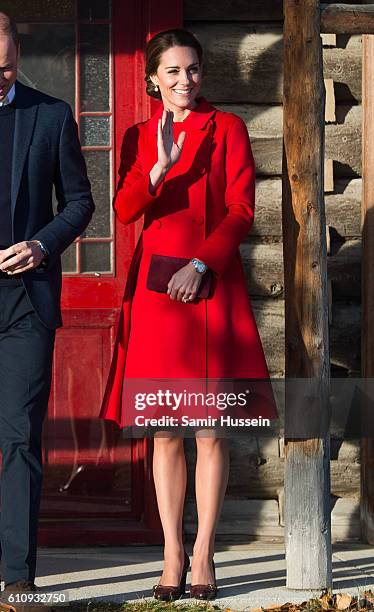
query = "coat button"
{"x": 157, "y": 223}
{"x": 199, "y": 220}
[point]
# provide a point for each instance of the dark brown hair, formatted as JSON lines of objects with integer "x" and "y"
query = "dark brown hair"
{"x": 162, "y": 42}
{"x": 8, "y": 27}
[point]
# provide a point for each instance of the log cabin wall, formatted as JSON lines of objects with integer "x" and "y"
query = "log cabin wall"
{"x": 242, "y": 42}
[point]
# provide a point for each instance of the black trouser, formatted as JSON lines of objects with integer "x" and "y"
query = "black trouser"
{"x": 26, "y": 350}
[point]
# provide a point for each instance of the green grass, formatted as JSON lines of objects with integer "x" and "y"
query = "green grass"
{"x": 143, "y": 605}
{"x": 327, "y": 602}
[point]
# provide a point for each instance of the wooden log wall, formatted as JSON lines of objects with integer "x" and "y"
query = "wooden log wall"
{"x": 242, "y": 44}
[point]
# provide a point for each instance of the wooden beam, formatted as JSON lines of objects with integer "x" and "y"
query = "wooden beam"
{"x": 329, "y": 175}
{"x": 342, "y": 209}
{"x": 328, "y": 40}
{"x": 347, "y": 19}
{"x": 367, "y": 218}
{"x": 307, "y": 447}
{"x": 233, "y": 10}
{"x": 222, "y": 10}
{"x": 330, "y": 114}
{"x": 342, "y": 139}
{"x": 243, "y": 63}
{"x": 263, "y": 266}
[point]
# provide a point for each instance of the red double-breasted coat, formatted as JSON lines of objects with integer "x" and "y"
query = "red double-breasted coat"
{"x": 204, "y": 208}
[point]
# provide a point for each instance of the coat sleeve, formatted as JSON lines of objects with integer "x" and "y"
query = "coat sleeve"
{"x": 75, "y": 205}
{"x": 132, "y": 197}
{"x": 221, "y": 245}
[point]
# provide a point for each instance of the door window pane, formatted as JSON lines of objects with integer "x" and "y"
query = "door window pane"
{"x": 47, "y": 59}
{"x": 95, "y": 131}
{"x": 98, "y": 168}
{"x": 94, "y": 67}
{"x": 34, "y": 10}
{"x": 69, "y": 259}
{"x": 93, "y": 9}
{"x": 52, "y": 40}
{"x": 95, "y": 257}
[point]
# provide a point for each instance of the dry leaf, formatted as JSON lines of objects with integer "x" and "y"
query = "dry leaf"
{"x": 343, "y": 601}
{"x": 326, "y": 601}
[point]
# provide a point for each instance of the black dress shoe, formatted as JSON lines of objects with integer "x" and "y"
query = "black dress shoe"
{"x": 172, "y": 593}
{"x": 18, "y": 597}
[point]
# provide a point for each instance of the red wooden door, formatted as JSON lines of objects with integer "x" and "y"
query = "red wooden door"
{"x": 98, "y": 486}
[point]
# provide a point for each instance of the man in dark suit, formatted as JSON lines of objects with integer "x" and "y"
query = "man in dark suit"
{"x": 39, "y": 148}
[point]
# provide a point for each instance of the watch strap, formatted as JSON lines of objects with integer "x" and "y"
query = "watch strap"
{"x": 44, "y": 250}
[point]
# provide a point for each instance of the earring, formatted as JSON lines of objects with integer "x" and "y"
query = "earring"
{"x": 156, "y": 87}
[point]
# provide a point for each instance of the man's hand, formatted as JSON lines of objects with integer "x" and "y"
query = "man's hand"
{"x": 21, "y": 257}
{"x": 184, "y": 284}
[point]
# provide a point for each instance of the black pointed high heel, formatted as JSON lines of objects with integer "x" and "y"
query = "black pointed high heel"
{"x": 172, "y": 593}
{"x": 205, "y": 591}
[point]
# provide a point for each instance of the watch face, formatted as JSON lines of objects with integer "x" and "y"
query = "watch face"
{"x": 199, "y": 266}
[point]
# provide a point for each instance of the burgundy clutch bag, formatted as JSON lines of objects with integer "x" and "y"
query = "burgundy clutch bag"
{"x": 162, "y": 268}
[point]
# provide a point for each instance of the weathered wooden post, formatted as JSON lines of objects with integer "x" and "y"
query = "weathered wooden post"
{"x": 307, "y": 449}
{"x": 359, "y": 19}
{"x": 367, "y": 217}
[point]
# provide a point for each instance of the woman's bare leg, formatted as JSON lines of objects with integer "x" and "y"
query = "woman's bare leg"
{"x": 170, "y": 477}
{"x": 212, "y": 471}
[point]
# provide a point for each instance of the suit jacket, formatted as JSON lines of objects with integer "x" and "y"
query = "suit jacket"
{"x": 47, "y": 153}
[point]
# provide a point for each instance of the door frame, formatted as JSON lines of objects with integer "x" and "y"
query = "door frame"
{"x": 133, "y": 23}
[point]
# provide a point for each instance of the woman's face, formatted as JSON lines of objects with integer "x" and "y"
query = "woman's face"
{"x": 178, "y": 78}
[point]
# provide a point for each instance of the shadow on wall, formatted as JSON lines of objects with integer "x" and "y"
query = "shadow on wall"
{"x": 243, "y": 66}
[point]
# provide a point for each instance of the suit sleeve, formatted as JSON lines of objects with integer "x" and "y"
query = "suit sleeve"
{"x": 133, "y": 196}
{"x": 222, "y": 244}
{"x": 75, "y": 204}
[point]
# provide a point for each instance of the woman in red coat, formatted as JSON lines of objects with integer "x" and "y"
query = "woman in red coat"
{"x": 189, "y": 172}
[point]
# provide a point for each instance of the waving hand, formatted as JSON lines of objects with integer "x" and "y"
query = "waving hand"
{"x": 168, "y": 151}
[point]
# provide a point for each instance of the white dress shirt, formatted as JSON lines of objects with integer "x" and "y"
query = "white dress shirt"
{"x": 9, "y": 97}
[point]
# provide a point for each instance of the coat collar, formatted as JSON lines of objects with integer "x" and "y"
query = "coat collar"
{"x": 197, "y": 119}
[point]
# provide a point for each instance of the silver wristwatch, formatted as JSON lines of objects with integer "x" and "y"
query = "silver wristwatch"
{"x": 199, "y": 265}
{"x": 43, "y": 249}
{"x": 45, "y": 260}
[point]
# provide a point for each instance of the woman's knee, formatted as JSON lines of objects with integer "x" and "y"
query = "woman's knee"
{"x": 167, "y": 443}
{"x": 211, "y": 444}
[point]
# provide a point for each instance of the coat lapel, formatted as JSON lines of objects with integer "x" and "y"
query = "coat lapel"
{"x": 197, "y": 119}
{"x": 26, "y": 113}
{"x": 196, "y": 150}
{"x": 195, "y": 159}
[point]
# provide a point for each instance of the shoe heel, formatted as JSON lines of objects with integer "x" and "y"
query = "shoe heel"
{"x": 172, "y": 593}
{"x": 183, "y": 583}
{"x": 186, "y": 567}
{"x": 205, "y": 591}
